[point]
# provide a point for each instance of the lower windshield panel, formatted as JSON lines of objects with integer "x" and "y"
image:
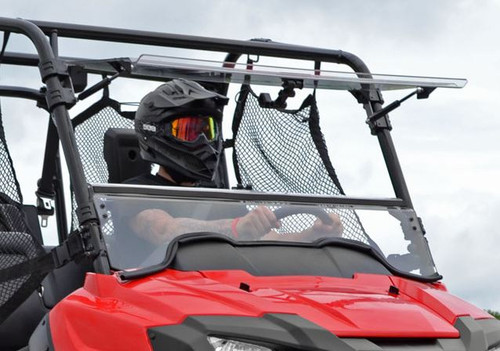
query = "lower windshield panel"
{"x": 137, "y": 230}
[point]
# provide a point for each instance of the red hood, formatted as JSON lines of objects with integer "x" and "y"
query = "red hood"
{"x": 364, "y": 306}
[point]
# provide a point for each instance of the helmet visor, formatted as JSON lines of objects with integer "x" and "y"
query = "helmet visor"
{"x": 190, "y": 128}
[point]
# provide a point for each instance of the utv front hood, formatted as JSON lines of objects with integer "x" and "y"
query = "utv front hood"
{"x": 366, "y": 306}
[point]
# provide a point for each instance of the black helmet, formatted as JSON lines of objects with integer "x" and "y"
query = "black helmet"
{"x": 179, "y": 128}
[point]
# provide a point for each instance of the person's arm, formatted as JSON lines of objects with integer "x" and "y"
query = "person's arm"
{"x": 316, "y": 231}
{"x": 157, "y": 226}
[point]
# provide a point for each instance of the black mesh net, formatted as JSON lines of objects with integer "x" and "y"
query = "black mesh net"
{"x": 16, "y": 244}
{"x": 8, "y": 180}
{"x": 90, "y": 128}
{"x": 278, "y": 150}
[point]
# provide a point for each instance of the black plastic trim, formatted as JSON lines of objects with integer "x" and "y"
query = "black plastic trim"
{"x": 278, "y": 331}
{"x": 41, "y": 339}
{"x": 203, "y": 237}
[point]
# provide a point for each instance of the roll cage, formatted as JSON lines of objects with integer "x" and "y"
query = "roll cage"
{"x": 65, "y": 84}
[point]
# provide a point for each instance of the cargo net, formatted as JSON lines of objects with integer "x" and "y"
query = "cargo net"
{"x": 90, "y": 127}
{"x": 278, "y": 150}
{"x": 8, "y": 180}
{"x": 16, "y": 244}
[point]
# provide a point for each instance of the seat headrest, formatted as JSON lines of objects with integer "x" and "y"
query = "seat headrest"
{"x": 122, "y": 156}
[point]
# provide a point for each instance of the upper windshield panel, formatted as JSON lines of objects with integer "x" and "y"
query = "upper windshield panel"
{"x": 137, "y": 230}
{"x": 216, "y": 71}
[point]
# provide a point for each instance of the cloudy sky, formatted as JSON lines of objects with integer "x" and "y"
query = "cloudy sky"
{"x": 448, "y": 145}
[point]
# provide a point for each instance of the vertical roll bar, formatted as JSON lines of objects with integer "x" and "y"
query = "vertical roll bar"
{"x": 61, "y": 218}
{"x": 59, "y": 95}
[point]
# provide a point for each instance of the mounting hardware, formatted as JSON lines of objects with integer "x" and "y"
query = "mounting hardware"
{"x": 288, "y": 85}
{"x": 245, "y": 287}
{"x": 393, "y": 290}
{"x": 119, "y": 66}
{"x": 78, "y": 78}
{"x": 373, "y": 120}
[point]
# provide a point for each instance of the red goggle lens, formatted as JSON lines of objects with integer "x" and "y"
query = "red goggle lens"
{"x": 190, "y": 128}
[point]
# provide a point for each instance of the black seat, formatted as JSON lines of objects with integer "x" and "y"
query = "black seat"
{"x": 20, "y": 240}
{"x": 18, "y": 245}
{"x": 121, "y": 153}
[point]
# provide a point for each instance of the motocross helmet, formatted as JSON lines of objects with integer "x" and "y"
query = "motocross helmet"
{"x": 179, "y": 127}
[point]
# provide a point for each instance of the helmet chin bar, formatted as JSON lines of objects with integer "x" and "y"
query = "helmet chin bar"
{"x": 185, "y": 161}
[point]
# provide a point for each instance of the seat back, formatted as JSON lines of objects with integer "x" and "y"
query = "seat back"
{"x": 121, "y": 153}
{"x": 20, "y": 241}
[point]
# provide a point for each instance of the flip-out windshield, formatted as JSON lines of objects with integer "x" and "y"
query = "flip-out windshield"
{"x": 215, "y": 71}
{"x": 138, "y": 229}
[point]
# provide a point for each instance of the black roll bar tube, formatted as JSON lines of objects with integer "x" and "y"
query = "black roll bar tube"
{"x": 255, "y": 47}
{"x": 59, "y": 94}
{"x": 372, "y": 100}
{"x": 23, "y": 93}
{"x": 60, "y": 206}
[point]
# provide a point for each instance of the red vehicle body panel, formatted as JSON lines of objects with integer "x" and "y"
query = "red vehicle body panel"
{"x": 107, "y": 314}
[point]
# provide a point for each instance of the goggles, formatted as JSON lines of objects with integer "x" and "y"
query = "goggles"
{"x": 190, "y": 128}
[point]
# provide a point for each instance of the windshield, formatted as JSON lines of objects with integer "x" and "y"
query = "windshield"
{"x": 138, "y": 229}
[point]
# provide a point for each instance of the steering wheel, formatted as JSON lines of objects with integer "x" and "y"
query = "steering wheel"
{"x": 158, "y": 254}
{"x": 320, "y": 213}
